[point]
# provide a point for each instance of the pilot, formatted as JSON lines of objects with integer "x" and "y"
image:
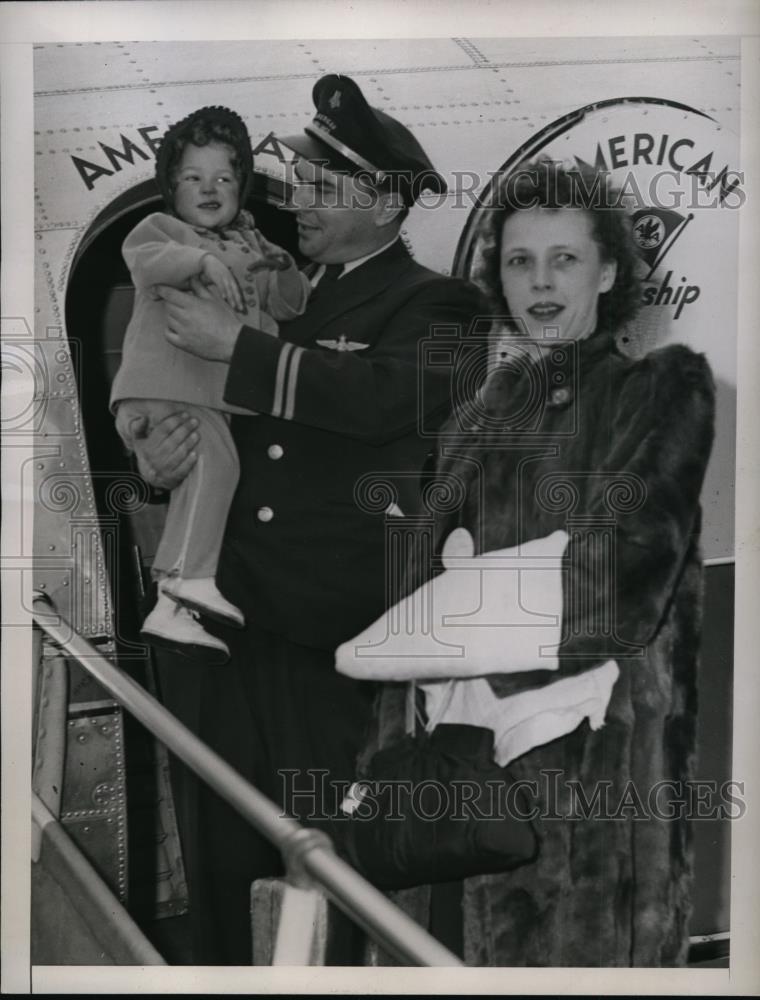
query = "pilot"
{"x": 341, "y": 395}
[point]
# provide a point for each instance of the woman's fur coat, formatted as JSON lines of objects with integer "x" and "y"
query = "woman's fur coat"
{"x": 614, "y": 451}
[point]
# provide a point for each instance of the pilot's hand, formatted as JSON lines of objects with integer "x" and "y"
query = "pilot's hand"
{"x": 166, "y": 454}
{"x": 219, "y": 275}
{"x": 199, "y": 323}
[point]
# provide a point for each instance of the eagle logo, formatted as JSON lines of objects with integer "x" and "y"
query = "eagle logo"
{"x": 655, "y": 230}
{"x": 649, "y": 232}
{"x": 334, "y": 101}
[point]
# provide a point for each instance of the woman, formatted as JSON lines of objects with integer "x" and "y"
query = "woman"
{"x": 567, "y": 432}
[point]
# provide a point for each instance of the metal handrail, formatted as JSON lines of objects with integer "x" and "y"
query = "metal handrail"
{"x": 308, "y": 849}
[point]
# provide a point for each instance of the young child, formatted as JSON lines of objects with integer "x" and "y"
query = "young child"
{"x": 204, "y": 169}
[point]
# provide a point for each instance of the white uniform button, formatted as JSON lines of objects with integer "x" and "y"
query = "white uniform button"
{"x": 275, "y": 451}
{"x": 265, "y": 513}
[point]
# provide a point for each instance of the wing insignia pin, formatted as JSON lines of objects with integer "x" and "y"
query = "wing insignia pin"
{"x": 342, "y": 344}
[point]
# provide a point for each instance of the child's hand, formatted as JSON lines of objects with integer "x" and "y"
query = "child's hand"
{"x": 216, "y": 273}
{"x": 275, "y": 258}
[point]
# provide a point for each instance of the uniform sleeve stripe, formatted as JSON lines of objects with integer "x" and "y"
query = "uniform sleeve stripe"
{"x": 279, "y": 378}
{"x": 290, "y": 402}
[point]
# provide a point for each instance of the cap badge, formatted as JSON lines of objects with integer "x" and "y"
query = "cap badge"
{"x": 334, "y": 101}
{"x": 342, "y": 344}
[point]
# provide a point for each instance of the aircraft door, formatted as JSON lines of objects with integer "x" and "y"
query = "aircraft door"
{"x": 99, "y": 304}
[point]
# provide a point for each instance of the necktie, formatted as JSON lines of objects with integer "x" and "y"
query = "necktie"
{"x": 331, "y": 274}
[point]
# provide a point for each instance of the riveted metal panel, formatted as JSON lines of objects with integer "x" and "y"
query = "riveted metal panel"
{"x": 68, "y": 563}
{"x": 94, "y": 807}
{"x": 75, "y": 551}
{"x": 68, "y": 556}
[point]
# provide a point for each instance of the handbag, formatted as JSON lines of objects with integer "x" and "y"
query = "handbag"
{"x": 434, "y": 807}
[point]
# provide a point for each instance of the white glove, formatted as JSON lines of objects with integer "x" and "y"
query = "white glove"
{"x": 495, "y": 613}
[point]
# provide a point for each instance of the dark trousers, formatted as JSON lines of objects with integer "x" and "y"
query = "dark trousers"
{"x": 282, "y": 717}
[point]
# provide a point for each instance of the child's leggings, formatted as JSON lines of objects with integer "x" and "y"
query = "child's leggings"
{"x": 198, "y": 507}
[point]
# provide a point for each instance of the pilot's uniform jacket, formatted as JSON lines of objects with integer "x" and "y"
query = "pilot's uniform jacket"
{"x": 154, "y": 375}
{"x": 340, "y": 394}
{"x": 304, "y": 552}
{"x": 627, "y": 445}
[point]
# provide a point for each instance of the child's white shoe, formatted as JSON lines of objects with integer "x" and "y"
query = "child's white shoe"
{"x": 172, "y": 626}
{"x": 202, "y": 595}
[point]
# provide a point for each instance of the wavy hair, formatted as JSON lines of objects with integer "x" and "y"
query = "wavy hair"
{"x": 547, "y": 184}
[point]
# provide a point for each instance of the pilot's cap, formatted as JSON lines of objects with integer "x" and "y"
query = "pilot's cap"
{"x": 210, "y": 124}
{"x": 348, "y": 136}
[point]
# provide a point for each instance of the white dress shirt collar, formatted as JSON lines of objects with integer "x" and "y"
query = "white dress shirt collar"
{"x": 351, "y": 264}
